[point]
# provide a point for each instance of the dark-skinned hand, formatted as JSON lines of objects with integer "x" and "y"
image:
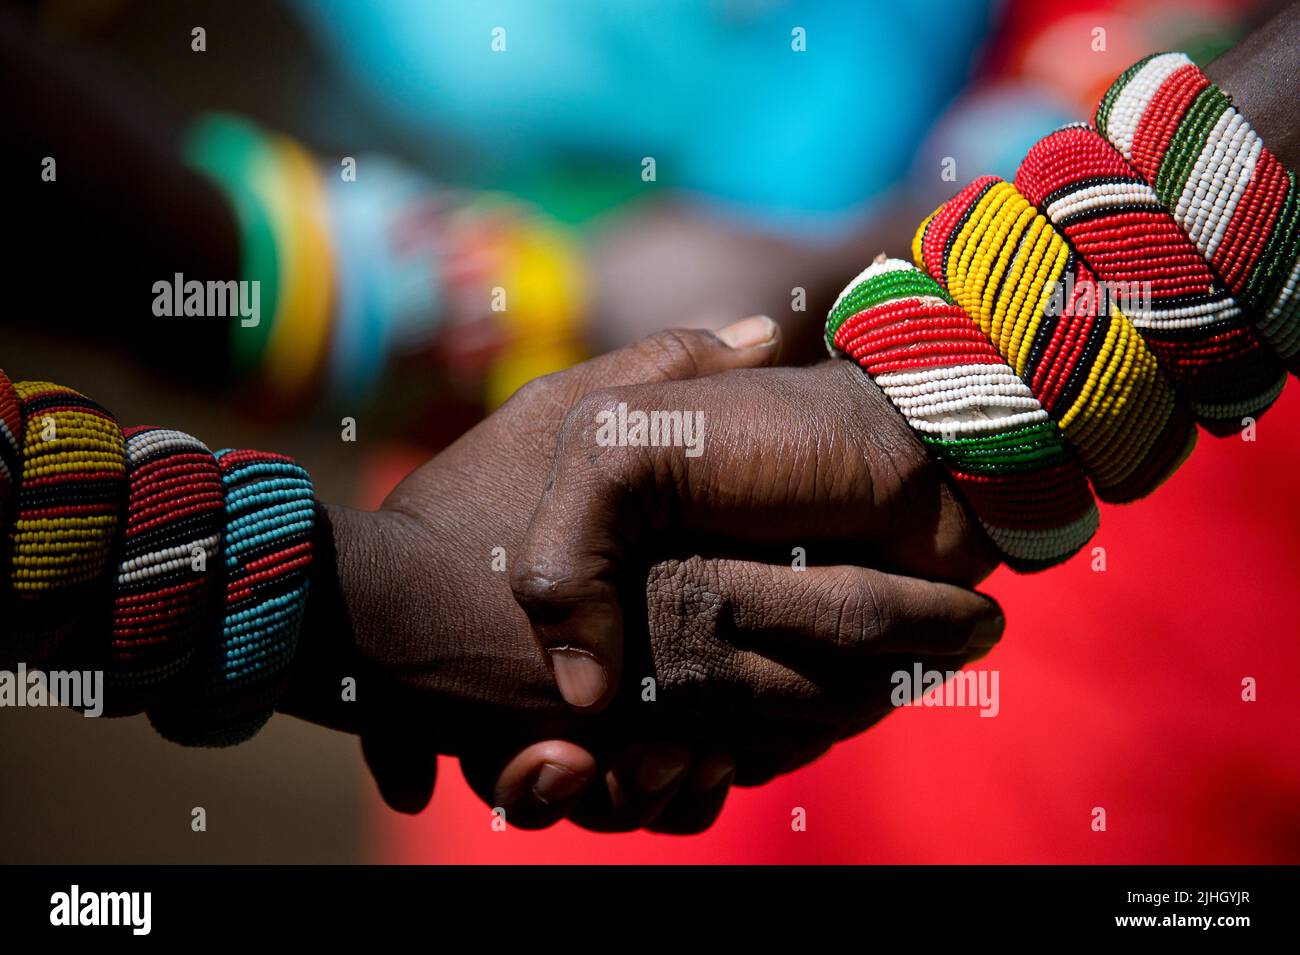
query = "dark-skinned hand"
{"x": 757, "y": 667}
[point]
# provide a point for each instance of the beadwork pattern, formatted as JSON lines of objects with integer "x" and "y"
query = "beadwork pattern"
{"x": 1010, "y": 360}
{"x": 167, "y": 557}
{"x": 1115, "y": 222}
{"x": 229, "y": 690}
{"x": 66, "y": 514}
{"x": 970, "y": 409}
{"x": 1039, "y": 304}
{"x": 11, "y": 435}
{"x": 146, "y": 534}
{"x": 1229, "y": 194}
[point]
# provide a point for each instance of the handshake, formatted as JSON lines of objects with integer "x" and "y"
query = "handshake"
{"x": 606, "y": 628}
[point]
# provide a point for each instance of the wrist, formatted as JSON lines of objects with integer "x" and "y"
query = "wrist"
{"x": 1259, "y": 74}
{"x": 950, "y": 545}
{"x": 348, "y": 570}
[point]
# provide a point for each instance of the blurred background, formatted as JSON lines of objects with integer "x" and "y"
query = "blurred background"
{"x": 615, "y": 169}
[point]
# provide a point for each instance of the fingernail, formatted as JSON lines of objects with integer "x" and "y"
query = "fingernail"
{"x": 657, "y": 772}
{"x": 579, "y": 675}
{"x": 988, "y": 631}
{"x": 749, "y": 332}
{"x": 712, "y": 773}
{"x": 555, "y": 784}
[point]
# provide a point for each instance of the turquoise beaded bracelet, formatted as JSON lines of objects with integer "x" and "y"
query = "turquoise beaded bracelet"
{"x": 231, "y": 689}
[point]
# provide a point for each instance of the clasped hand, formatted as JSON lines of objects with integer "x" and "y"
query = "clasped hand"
{"x": 664, "y": 625}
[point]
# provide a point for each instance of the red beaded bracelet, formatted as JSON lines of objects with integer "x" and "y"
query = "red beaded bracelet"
{"x": 1114, "y": 220}
{"x": 168, "y": 559}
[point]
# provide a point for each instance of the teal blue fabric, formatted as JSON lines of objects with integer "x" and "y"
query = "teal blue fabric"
{"x": 712, "y": 90}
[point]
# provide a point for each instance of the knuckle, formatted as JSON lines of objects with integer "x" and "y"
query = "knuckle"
{"x": 588, "y": 413}
{"x": 861, "y": 616}
{"x": 546, "y": 596}
{"x": 531, "y": 589}
{"x": 538, "y": 391}
{"x": 686, "y": 614}
{"x": 671, "y": 353}
{"x": 684, "y": 596}
{"x": 589, "y": 438}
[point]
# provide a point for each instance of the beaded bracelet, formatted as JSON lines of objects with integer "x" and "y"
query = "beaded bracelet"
{"x": 237, "y": 157}
{"x": 168, "y": 559}
{"x": 1232, "y": 198}
{"x": 11, "y": 435}
{"x": 279, "y": 200}
{"x": 1039, "y": 304}
{"x": 72, "y": 468}
{"x": 299, "y": 336}
{"x": 970, "y": 409}
{"x": 1116, "y": 223}
{"x": 230, "y": 688}
{"x": 61, "y": 535}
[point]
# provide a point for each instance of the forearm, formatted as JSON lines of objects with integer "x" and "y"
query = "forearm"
{"x": 397, "y": 632}
{"x": 346, "y": 577}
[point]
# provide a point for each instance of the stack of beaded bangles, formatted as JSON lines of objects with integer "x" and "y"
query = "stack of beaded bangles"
{"x": 354, "y": 271}
{"x": 194, "y": 523}
{"x": 1051, "y": 320}
{"x": 1117, "y": 225}
{"x": 972, "y": 411}
{"x": 1183, "y": 215}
